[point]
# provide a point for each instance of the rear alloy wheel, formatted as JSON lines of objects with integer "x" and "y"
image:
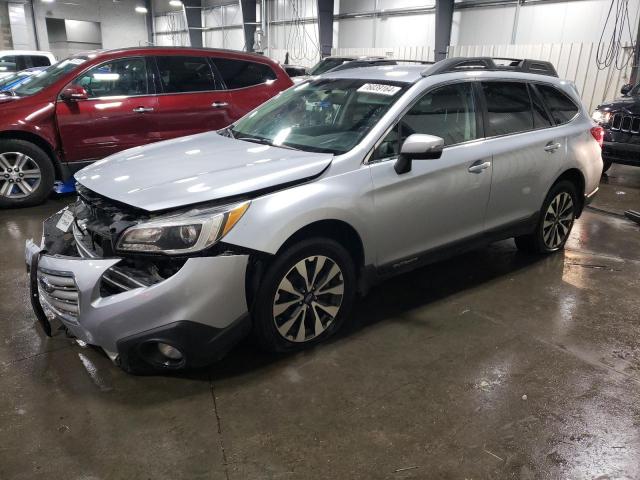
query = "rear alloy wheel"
{"x": 556, "y": 220}
{"x": 305, "y": 295}
{"x": 26, "y": 174}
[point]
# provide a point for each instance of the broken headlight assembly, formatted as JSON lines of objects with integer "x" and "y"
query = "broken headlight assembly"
{"x": 184, "y": 233}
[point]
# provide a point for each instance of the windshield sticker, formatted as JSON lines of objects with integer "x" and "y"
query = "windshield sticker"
{"x": 379, "y": 88}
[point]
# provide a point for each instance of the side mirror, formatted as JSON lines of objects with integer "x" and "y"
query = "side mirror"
{"x": 626, "y": 89}
{"x": 74, "y": 93}
{"x": 418, "y": 147}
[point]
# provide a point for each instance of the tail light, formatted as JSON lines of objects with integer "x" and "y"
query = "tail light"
{"x": 598, "y": 134}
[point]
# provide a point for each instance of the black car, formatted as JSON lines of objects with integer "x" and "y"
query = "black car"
{"x": 621, "y": 122}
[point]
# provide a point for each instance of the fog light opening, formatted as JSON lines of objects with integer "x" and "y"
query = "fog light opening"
{"x": 162, "y": 354}
{"x": 169, "y": 351}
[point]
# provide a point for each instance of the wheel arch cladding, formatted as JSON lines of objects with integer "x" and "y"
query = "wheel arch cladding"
{"x": 337, "y": 230}
{"x": 576, "y": 177}
{"x": 39, "y": 142}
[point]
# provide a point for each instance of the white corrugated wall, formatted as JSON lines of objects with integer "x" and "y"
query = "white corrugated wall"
{"x": 573, "y": 61}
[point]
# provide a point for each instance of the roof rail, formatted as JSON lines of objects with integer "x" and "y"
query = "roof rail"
{"x": 457, "y": 64}
{"x": 423, "y": 62}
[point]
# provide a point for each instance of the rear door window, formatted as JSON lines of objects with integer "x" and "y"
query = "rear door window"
{"x": 242, "y": 74}
{"x": 125, "y": 77}
{"x": 509, "y": 108}
{"x": 562, "y": 108}
{"x": 185, "y": 74}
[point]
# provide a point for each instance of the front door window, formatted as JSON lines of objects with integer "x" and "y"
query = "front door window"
{"x": 448, "y": 112}
{"x": 125, "y": 77}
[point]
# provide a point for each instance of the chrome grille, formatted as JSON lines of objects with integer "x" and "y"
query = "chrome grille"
{"x": 59, "y": 294}
{"x": 625, "y": 123}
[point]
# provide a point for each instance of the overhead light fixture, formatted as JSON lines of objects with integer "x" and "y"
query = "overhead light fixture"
{"x": 175, "y": 3}
{"x": 142, "y": 10}
{"x": 48, "y": 1}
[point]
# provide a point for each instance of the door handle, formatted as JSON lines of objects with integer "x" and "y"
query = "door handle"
{"x": 552, "y": 147}
{"x": 143, "y": 109}
{"x": 479, "y": 167}
{"x": 219, "y": 104}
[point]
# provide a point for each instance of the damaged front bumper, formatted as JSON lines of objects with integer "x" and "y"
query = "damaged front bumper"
{"x": 200, "y": 310}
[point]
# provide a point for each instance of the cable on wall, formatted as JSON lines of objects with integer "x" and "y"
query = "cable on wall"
{"x": 611, "y": 50}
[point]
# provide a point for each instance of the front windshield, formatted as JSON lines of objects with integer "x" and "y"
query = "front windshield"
{"x": 326, "y": 115}
{"x": 49, "y": 76}
{"x": 325, "y": 65}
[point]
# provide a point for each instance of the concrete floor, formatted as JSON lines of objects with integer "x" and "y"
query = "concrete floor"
{"x": 490, "y": 365}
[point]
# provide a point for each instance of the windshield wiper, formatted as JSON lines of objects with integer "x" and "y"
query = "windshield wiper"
{"x": 264, "y": 141}
{"x": 9, "y": 92}
{"x": 227, "y": 132}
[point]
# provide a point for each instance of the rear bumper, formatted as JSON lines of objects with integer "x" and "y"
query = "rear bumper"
{"x": 201, "y": 309}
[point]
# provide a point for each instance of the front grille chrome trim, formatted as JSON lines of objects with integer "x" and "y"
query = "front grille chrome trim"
{"x": 59, "y": 294}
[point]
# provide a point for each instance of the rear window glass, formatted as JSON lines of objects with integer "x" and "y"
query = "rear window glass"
{"x": 241, "y": 74}
{"x": 185, "y": 74}
{"x": 562, "y": 108}
{"x": 508, "y": 107}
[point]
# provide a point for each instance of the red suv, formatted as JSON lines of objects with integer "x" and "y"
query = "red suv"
{"x": 92, "y": 105}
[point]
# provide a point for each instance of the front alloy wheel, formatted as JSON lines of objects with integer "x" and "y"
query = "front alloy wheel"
{"x": 26, "y": 174}
{"x": 20, "y": 175}
{"x": 304, "y": 296}
{"x": 308, "y": 298}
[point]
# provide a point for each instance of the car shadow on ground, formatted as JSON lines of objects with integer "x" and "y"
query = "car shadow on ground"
{"x": 395, "y": 297}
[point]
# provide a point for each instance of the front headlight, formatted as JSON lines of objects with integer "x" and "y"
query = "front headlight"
{"x": 188, "y": 232}
{"x": 601, "y": 117}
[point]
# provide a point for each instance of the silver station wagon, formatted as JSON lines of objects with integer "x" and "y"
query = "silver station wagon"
{"x": 175, "y": 251}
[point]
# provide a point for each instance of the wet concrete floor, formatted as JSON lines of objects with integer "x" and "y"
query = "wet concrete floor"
{"x": 490, "y": 365}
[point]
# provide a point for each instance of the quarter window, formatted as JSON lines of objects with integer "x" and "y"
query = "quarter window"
{"x": 448, "y": 112}
{"x": 185, "y": 74}
{"x": 125, "y": 77}
{"x": 562, "y": 108}
{"x": 508, "y": 108}
{"x": 241, "y": 74}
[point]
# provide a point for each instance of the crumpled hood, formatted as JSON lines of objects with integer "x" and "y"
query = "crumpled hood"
{"x": 195, "y": 169}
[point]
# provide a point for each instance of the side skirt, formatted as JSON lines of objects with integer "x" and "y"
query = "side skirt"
{"x": 372, "y": 275}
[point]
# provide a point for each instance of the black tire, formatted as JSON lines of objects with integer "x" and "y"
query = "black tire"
{"x": 266, "y": 323}
{"x": 606, "y": 165}
{"x": 36, "y": 155}
{"x": 538, "y": 241}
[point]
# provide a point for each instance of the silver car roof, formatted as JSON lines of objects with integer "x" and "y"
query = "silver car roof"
{"x": 412, "y": 73}
{"x": 397, "y": 73}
